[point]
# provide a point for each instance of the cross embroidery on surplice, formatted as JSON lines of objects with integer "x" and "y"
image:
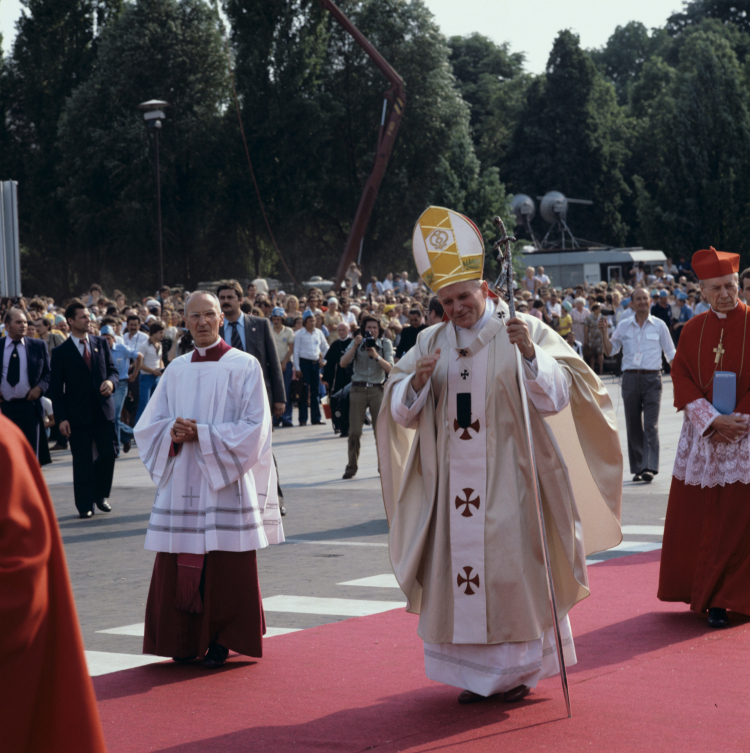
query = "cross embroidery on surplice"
{"x": 190, "y": 496}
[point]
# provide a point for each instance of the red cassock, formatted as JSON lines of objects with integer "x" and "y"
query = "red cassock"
{"x": 47, "y": 702}
{"x": 705, "y": 559}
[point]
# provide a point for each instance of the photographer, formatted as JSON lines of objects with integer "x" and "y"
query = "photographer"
{"x": 373, "y": 360}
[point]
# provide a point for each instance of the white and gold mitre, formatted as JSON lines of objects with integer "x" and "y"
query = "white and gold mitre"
{"x": 447, "y": 247}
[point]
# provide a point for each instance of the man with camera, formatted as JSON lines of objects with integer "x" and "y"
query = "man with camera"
{"x": 373, "y": 360}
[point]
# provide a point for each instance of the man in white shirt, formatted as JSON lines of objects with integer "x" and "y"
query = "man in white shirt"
{"x": 642, "y": 339}
{"x": 347, "y": 315}
{"x": 309, "y": 348}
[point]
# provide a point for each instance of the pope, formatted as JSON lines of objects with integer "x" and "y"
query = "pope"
{"x": 464, "y": 537}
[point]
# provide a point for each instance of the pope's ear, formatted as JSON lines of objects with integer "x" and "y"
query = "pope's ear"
{"x": 485, "y": 289}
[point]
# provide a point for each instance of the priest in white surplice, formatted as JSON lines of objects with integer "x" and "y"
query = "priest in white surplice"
{"x": 457, "y": 485}
{"x": 205, "y": 439}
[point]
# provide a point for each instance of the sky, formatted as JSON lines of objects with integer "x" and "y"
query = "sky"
{"x": 530, "y": 26}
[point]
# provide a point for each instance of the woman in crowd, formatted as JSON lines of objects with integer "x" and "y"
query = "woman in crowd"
{"x": 592, "y": 344}
{"x": 291, "y": 307}
{"x": 578, "y": 314}
{"x": 153, "y": 365}
{"x": 332, "y": 319}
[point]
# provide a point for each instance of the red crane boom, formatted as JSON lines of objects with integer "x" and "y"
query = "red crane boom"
{"x": 388, "y": 129}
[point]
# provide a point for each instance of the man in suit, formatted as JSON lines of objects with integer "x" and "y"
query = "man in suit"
{"x": 83, "y": 380}
{"x": 252, "y": 334}
{"x": 24, "y": 378}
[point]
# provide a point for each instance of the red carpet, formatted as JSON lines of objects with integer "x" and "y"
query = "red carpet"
{"x": 650, "y": 677}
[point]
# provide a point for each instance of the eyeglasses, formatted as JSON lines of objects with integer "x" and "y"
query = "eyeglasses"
{"x": 209, "y": 316}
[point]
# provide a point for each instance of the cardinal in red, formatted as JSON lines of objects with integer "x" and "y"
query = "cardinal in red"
{"x": 705, "y": 558}
{"x": 47, "y": 702}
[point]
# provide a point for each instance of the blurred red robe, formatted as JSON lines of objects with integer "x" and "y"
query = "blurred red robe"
{"x": 705, "y": 558}
{"x": 47, "y": 702}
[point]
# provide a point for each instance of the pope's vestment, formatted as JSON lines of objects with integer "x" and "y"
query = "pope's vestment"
{"x": 216, "y": 501}
{"x": 464, "y": 538}
{"x": 705, "y": 559}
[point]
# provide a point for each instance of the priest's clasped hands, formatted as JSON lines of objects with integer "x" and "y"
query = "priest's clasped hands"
{"x": 729, "y": 428}
{"x": 184, "y": 430}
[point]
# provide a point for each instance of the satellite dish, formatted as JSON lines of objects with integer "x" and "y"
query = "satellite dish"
{"x": 554, "y": 207}
{"x": 523, "y": 208}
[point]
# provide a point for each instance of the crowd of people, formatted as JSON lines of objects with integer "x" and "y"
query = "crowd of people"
{"x": 333, "y": 350}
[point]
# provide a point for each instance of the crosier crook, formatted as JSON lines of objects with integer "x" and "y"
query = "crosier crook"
{"x": 504, "y": 285}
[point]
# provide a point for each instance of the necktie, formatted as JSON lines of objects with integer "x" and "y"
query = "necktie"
{"x": 14, "y": 367}
{"x": 236, "y": 342}
{"x": 86, "y": 355}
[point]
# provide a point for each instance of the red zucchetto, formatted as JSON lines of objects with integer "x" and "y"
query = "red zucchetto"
{"x": 708, "y": 263}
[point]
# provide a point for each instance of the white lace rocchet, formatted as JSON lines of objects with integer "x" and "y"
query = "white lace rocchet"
{"x": 699, "y": 462}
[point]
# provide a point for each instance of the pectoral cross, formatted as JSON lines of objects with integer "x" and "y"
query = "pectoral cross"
{"x": 719, "y": 349}
{"x": 190, "y": 496}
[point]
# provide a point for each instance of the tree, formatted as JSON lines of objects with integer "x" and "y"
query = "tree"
{"x": 311, "y": 105}
{"x": 725, "y": 11}
{"x": 491, "y": 80}
{"x": 156, "y": 49}
{"x": 571, "y": 137}
{"x": 52, "y": 54}
{"x": 622, "y": 59}
{"x": 696, "y": 191}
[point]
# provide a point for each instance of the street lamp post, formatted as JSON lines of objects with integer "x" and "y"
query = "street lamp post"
{"x": 153, "y": 114}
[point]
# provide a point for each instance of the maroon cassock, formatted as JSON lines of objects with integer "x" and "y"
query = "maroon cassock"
{"x": 231, "y": 610}
{"x": 705, "y": 559}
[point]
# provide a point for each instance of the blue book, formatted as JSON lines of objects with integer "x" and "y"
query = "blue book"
{"x": 725, "y": 392}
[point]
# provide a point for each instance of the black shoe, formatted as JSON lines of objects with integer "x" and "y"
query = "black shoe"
{"x": 303, "y": 423}
{"x": 184, "y": 658}
{"x": 717, "y": 617}
{"x": 126, "y": 446}
{"x": 103, "y": 505}
{"x": 637, "y": 477}
{"x": 349, "y": 474}
{"x": 87, "y": 514}
{"x": 318, "y": 423}
{"x": 216, "y": 656}
{"x": 59, "y": 446}
{"x": 287, "y": 424}
{"x": 282, "y": 510}
{"x": 647, "y": 476}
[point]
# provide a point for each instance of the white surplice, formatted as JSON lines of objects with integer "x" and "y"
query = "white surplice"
{"x": 470, "y": 662}
{"x": 218, "y": 493}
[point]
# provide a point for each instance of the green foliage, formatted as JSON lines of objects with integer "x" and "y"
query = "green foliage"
{"x": 156, "y": 49}
{"x": 53, "y": 52}
{"x": 313, "y": 153}
{"x": 491, "y": 81}
{"x": 622, "y": 59}
{"x": 571, "y": 137}
{"x": 725, "y": 11}
{"x": 695, "y": 190}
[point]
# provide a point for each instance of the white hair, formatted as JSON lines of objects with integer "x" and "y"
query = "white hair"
{"x": 735, "y": 275}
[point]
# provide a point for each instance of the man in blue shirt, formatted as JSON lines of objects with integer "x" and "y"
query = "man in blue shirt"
{"x": 686, "y": 314}
{"x": 121, "y": 357}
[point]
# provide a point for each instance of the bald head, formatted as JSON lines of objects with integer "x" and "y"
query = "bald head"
{"x": 203, "y": 300}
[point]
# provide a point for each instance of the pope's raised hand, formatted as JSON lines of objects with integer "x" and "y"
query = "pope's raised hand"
{"x": 425, "y": 367}
{"x": 518, "y": 334}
